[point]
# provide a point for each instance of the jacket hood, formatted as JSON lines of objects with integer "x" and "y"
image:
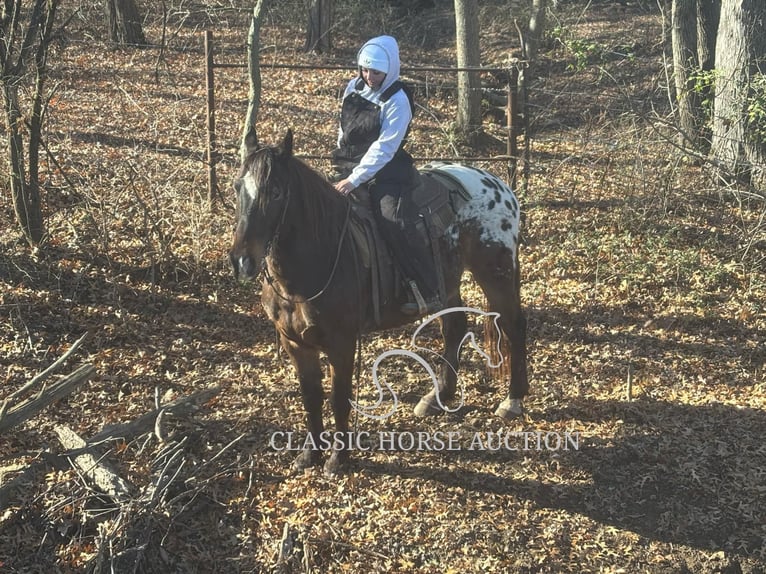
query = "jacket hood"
{"x": 391, "y": 48}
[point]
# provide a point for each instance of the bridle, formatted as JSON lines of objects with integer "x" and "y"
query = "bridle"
{"x": 264, "y": 265}
{"x": 272, "y": 282}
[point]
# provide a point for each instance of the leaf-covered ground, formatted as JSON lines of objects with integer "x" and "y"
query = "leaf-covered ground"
{"x": 636, "y": 271}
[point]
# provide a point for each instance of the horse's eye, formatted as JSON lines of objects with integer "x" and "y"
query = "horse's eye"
{"x": 237, "y": 185}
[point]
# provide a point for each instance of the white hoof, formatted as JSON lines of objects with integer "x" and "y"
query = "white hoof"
{"x": 427, "y": 406}
{"x": 510, "y": 409}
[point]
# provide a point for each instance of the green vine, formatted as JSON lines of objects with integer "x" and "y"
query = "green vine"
{"x": 584, "y": 51}
{"x": 756, "y": 109}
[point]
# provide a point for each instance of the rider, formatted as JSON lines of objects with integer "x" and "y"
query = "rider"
{"x": 375, "y": 119}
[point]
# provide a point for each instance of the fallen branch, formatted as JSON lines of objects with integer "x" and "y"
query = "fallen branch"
{"x": 78, "y": 447}
{"x": 145, "y": 423}
{"x": 47, "y": 372}
{"x": 30, "y": 407}
{"x": 95, "y": 470}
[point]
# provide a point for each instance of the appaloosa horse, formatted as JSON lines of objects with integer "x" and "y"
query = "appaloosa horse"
{"x": 292, "y": 225}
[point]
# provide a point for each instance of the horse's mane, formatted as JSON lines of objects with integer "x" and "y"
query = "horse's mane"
{"x": 320, "y": 210}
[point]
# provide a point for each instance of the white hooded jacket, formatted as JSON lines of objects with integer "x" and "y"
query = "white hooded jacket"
{"x": 395, "y": 115}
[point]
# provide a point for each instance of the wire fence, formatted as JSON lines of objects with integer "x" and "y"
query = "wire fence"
{"x": 597, "y": 115}
{"x": 508, "y": 95}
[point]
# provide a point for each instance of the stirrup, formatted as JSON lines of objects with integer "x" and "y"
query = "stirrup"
{"x": 422, "y": 307}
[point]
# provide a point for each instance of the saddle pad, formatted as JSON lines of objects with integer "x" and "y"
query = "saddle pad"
{"x": 440, "y": 196}
{"x": 363, "y": 227}
{"x": 437, "y": 196}
{"x": 359, "y": 233}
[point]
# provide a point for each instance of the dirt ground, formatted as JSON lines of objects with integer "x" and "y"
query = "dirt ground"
{"x": 643, "y": 284}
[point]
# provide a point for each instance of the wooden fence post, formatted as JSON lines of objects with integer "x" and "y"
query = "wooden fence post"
{"x": 212, "y": 158}
{"x": 512, "y": 120}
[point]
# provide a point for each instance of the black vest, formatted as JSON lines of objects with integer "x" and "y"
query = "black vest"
{"x": 360, "y": 122}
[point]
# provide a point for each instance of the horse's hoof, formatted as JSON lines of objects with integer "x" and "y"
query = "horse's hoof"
{"x": 335, "y": 466}
{"x": 306, "y": 459}
{"x": 510, "y": 409}
{"x": 427, "y": 406}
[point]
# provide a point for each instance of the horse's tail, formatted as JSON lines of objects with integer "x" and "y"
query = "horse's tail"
{"x": 498, "y": 347}
{"x": 496, "y": 340}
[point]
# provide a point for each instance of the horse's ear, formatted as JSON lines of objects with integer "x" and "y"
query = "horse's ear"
{"x": 286, "y": 149}
{"x": 251, "y": 140}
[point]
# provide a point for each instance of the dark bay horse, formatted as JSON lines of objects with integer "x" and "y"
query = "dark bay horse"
{"x": 292, "y": 224}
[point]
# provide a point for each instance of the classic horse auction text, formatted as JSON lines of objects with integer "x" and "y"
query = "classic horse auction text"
{"x": 429, "y": 441}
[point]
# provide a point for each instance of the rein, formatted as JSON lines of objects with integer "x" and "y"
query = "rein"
{"x": 271, "y": 281}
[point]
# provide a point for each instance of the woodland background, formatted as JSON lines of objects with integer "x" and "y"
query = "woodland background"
{"x": 638, "y": 270}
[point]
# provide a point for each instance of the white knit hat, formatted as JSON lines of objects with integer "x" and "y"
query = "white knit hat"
{"x": 373, "y": 57}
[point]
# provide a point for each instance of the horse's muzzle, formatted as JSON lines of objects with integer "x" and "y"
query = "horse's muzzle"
{"x": 243, "y": 266}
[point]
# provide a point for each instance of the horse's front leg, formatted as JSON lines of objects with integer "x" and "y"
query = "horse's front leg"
{"x": 342, "y": 362}
{"x": 309, "y": 369}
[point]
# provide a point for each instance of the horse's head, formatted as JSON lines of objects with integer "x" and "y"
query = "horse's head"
{"x": 262, "y": 195}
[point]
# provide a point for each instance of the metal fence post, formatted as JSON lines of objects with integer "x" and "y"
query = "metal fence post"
{"x": 212, "y": 158}
{"x": 512, "y": 122}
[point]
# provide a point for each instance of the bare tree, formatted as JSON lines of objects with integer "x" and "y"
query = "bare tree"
{"x": 468, "y": 55}
{"x": 708, "y": 16}
{"x": 23, "y": 68}
{"x": 739, "y": 119}
{"x": 683, "y": 20}
{"x": 536, "y": 28}
{"x": 320, "y": 17}
{"x": 254, "y": 75}
{"x": 123, "y": 20}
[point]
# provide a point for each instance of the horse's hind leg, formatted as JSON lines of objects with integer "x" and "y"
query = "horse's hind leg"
{"x": 453, "y": 327}
{"x": 309, "y": 369}
{"x": 499, "y": 277}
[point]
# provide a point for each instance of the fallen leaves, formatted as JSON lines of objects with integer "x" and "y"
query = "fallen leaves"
{"x": 622, "y": 272}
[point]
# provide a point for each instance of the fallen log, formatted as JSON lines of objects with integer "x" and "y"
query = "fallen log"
{"x": 47, "y": 372}
{"x": 13, "y": 416}
{"x": 96, "y": 471}
{"x": 76, "y": 448}
{"x": 147, "y": 422}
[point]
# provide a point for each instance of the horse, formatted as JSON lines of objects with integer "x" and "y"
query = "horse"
{"x": 291, "y": 225}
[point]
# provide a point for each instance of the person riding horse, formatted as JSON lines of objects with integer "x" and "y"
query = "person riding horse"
{"x": 374, "y": 122}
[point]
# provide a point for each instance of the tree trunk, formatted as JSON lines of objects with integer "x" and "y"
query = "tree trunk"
{"x": 526, "y": 73}
{"x": 254, "y": 76}
{"x": 536, "y": 29}
{"x": 683, "y": 19}
{"x": 469, "y": 83}
{"x": 25, "y": 44}
{"x": 124, "y": 23}
{"x": 708, "y": 16}
{"x": 24, "y": 193}
{"x": 739, "y": 119}
{"x": 320, "y": 17}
